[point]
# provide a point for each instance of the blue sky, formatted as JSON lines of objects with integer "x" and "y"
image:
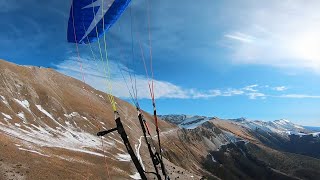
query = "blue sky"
{"x": 254, "y": 59}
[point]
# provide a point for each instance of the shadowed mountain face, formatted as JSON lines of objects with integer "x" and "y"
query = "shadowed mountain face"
{"x": 48, "y": 126}
{"x": 235, "y": 161}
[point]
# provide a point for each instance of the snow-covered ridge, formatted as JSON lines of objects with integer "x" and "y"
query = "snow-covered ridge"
{"x": 193, "y": 122}
{"x": 282, "y": 126}
{"x": 186, "y": 121}
{"x": 316, "y": 134}
{"x": 174, "y": 118}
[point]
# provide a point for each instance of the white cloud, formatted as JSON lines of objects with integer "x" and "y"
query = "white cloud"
{"x": 286, "y": 34}
{"x": 233, "y": 92}
{"x": 251, "y": 88}
{"x": 280, "y": 88}
{"x": 300, "y": 96}
{"x": 256, "y": 95}
{"x": 95, "y": 75}
{"x": 195, "y": 94}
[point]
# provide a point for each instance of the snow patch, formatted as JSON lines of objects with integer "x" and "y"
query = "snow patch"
{"x": 135, "y": 176}
{"x": 193, "y": 122}
{"x": 17, "y": 124}
{"x": 137, "y": 147}
{"x": 4, "y": 100}
{"x": 296, "y": 133}
{"x": 230, "y": 136}
{"x": 24, "y": 103}
{"x": 213, "y": 159}
{"x": 101, "y": 96}
{"x": 317, "y": 134}
{"x": 21, "y": 116}
{"x": 73, "y": 114}
{"x": 32, "y": 151}
{"x": 6, "y": 115}
{"x": 70, "y": 159}
{"x": 44, "y": 112}
{"x": 65, "y": 138}
{"x": 123, "y": 157}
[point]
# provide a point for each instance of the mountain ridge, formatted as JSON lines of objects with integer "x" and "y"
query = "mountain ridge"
{"x": 182, "y": 119}
{"x": 47, "y": 114}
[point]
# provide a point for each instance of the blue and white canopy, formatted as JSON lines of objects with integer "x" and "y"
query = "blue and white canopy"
{"x": 89, "y": 19}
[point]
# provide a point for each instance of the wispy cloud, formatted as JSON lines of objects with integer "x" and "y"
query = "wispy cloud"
{"x": 233, "y": 92}
{"x": 256, "y": 95}
{"x": 280, "y": 88}
{"x": 300, "y": 96}
{"x": 195, "y": 94}
{"x": 240, "y": 37}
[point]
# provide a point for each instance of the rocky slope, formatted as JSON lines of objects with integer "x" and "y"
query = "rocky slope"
{"x": 48, "y": 126}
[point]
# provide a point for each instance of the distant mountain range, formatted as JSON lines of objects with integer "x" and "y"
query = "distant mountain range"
{"x": 276, "y": 126}
{"x": 269, "y": 148}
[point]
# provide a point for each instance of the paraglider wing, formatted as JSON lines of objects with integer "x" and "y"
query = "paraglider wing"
{"x": 89, "y": 19}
